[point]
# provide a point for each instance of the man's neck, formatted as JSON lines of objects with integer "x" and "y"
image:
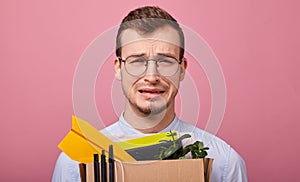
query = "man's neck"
{"x": 152, "y": 123}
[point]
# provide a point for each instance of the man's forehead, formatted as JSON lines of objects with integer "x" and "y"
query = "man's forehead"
{"x": 165, "y": 35}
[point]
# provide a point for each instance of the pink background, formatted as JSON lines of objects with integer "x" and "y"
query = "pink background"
{"x": 257, "y": 43}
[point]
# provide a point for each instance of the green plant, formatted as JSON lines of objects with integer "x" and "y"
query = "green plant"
{"x": 176, "y": 151}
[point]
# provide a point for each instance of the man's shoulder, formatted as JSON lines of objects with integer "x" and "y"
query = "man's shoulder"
{"x": 66, "y": 169}
{"x": 228, "y": 164}
{"x": 112, "y": 130}
{"x": 199, "y": 134}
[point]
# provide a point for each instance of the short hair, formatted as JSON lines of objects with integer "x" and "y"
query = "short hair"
{"x": 146, "y": 20}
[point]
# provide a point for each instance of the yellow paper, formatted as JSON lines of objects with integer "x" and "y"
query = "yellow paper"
{"x": 84, "y": 140}
{"x": 148, "y": 140}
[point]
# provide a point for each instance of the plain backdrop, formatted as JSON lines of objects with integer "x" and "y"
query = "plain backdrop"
{"x": 256, "y": 41}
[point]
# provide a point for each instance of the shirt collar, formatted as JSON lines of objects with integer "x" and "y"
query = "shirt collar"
{"x": 129, "y": 130}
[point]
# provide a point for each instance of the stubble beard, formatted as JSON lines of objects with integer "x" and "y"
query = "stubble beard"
{"x": 154, "y": 106}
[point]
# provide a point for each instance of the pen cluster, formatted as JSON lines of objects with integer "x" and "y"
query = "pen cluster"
{"x": 103, "y": 166}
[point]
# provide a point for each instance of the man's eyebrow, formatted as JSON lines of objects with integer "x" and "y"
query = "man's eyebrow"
{"x": 167, "y": 55}
{"x": 158, "y": 54}
{"x": 137, "y": 55}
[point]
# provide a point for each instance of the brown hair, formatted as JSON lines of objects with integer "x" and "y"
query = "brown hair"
{"x": 146, "y": 20}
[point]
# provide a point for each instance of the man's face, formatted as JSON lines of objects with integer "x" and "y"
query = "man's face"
{"x": 150, "y": 93}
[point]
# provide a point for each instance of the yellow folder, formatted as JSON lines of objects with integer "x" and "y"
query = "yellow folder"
{"x": 83, "y": 140}
{"x": 152, "y": 139}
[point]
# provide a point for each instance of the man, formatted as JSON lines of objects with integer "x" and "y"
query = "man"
{"x": 150, "y": 64}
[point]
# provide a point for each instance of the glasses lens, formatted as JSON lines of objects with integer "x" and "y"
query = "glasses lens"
{"x": 165, "y": 66}
{"x": 136, "y": 65}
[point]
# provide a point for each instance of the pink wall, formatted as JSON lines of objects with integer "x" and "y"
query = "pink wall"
{"x": 256, "y": 42}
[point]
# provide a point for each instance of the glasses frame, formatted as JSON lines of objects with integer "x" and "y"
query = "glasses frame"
{"x": 124, "y": 61}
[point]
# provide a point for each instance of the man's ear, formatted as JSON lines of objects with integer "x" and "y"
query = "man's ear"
{"x": 183, "y": 67}
{"x": 117, "y": 64}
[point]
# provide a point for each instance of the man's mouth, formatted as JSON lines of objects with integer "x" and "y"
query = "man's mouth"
{"x": 151, "y": 91}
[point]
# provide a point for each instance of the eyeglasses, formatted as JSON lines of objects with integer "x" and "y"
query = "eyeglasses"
{"x": 137, "y": 65}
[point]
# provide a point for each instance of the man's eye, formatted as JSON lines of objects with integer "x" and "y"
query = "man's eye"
{"x": 137, "y": 61}
{"x": 166, "y": 62}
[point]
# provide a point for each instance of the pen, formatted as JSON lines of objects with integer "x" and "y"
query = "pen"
{"x": 96, "y": 168}
{"x": 103, "y": 167}
{"x": 111, "y": 164}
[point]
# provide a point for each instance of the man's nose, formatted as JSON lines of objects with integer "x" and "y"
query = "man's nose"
{"x": 151, "y": 74}
{"x": 151, "y": 68}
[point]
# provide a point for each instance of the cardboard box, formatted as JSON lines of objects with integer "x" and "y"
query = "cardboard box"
{"x": 184, "y": 170}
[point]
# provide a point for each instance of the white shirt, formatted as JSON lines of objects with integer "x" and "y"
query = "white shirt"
{"x": 228, "y": 166}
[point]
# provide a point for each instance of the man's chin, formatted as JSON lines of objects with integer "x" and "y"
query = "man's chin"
{"x": 149, "y": 107}
{"x": 152, "y": 110}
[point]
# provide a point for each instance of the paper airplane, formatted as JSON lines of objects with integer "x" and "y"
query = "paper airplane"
{"x": 83, "y": 140}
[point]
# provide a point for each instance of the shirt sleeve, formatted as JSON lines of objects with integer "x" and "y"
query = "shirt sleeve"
{"x": 235, "y": 171}
{"x": 66, "y": 170}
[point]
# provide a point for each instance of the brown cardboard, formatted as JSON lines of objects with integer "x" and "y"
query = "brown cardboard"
{"x": 185, "y": 170}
